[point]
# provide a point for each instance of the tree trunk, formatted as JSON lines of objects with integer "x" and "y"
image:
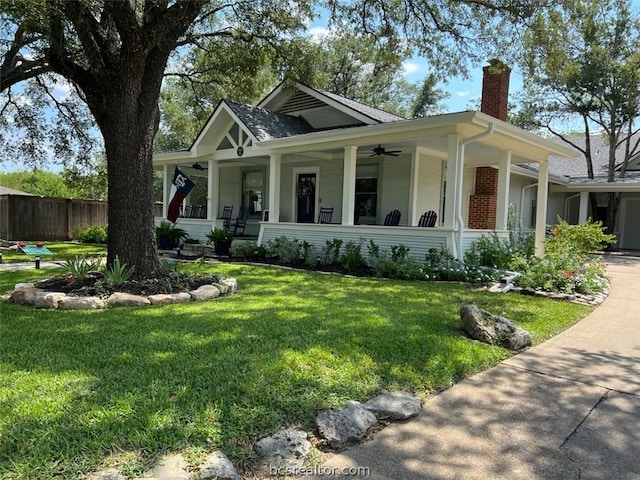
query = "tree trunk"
{"x": 128, "y": 117}
{"x": 131, "y": 221}
{"x": 612, "y": 212}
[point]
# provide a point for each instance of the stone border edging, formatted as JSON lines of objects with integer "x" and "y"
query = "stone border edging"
{"x": 29, "y": 294}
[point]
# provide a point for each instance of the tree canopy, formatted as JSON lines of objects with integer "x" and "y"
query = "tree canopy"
{"x": 582, "y": 59}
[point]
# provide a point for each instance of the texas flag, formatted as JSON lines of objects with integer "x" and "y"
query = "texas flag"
{"x": 180, "y": 188}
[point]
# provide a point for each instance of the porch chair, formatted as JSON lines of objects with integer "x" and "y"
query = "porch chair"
{"x": 186, "y": 213}
{"x": 393, "y": 218}
{"x": 325, "y": 215}
{"x": 197, "y": 211}
{"x": 240, "y": 222}
{"x": 428, "y": 219}
{"x": 226, "y": 216}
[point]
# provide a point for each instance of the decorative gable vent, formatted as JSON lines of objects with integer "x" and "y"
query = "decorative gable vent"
{"x": 300, "y": 102}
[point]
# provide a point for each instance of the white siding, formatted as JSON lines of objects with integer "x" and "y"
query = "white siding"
{"x": 329, "y": 194}
{"x": 419, "y": 240}
{"x": 230, "y": 189}
{"x": 395, "y": 187}
{"x": 468, "y": 187}
{"x": 429, "y": 186}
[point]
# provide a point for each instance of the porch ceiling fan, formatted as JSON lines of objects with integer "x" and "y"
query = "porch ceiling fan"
{"x": 197, "y": 166}
{"x": 380, "y": 150}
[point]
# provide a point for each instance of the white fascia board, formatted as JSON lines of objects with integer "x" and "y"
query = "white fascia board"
{"x": 603, "y": 187}
{"x": 171, "y": 157}
{"x": 524, "y": 136}
{"x": 525, "y": 172}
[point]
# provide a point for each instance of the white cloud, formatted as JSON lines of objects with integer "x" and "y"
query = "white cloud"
{"x": 410, "y": 67}
{"x": 462, "y": 93}
{"x": 318, "y": 34}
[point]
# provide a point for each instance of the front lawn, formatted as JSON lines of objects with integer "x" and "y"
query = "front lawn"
{"x": 84, "y": 390}
{"x": 59, "y": 251}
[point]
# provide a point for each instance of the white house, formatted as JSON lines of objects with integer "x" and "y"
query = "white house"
{"x": 302, "y": 149}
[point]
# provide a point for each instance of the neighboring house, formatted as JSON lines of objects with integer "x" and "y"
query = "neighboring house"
{"x": 570, "y": 188}
{"x": 302, "y": 149}
{"x": 11, "y": 191}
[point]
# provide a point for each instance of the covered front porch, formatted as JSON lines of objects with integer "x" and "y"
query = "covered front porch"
{"x": 457, "y": 165}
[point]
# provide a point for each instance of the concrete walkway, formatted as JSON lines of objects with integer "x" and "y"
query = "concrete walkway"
{"x": 566, "y": 409}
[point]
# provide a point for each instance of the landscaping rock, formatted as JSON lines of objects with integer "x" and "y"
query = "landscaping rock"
{"x": 80, "y": 303}
{"x": 287, "y": 448}
{"x": 168, "y": 298}
{"x": 24, "y": 295}
{"x": 224, "y": 289}
{"x": 394, "y": 406}
{"x": 47, "y": 299}
{"x": 231, "y": 283}
{"x": 172, "y": 467}
{"x": 218, "y": 467}
{"x": 24, "y": 286}
{"x": 347, "y": 426}
{"x": 205, "y": 292}
{"x": 493, "y": 329}
{"x": 109, "y": 474}
{"x": 121, "y": 299}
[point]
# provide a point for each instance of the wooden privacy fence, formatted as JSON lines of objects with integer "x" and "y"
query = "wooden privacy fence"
{"x": 26, "y": 217}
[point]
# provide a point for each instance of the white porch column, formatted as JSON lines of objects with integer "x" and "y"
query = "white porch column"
{"x": 584, "y": 208}
{"x": 413, "y": 188}
{"x": 541, "y": 208}
{"x": 504, "y": 179}
{"x": 349, "y": 185}
{"x": 166, "y": 190}
{"x": 213, "y": 192}
{"x": 450, "y": 195}
{"x": 275, "y": 164}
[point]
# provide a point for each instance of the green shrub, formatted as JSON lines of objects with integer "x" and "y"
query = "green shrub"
{"x": 580, "y": 239}
{"x": 249, "y": 250}
{"x": 118, "y": 273}
{"x": 79, "y": 266}
{"x": 94, "y": 234}
{"x": 284, "y": 249}
{"x": 330, "y": 252}
{"x": 397, "y": 264}
{"x": 567, "y": 266}
{"x": 351, "y": 258}
{"x": 310, "y": 254}
{"x": 496, "y": 252}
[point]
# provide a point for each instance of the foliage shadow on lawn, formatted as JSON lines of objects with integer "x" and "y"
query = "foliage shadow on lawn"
{"x": 203, "y": 376}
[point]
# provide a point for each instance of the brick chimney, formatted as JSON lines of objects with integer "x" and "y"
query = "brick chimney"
{"x": 495, "y": 89}
{"x": 495, "y": 98}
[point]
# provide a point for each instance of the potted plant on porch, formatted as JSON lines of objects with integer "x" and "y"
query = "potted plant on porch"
{"x": 221, "y": 239}
{"x": 169, "y": 236}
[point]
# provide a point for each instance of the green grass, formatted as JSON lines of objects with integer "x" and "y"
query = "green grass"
{"x": 81, "y": 390}
{"x": 59, "y": 250}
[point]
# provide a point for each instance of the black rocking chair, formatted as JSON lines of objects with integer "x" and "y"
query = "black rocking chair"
{"x": 241, "y": 222}
{"x": 393, "y": 218}
{"x": 428, "y": 219}
{"x": 325, "y": 215}
{"x": 226, "y": 216}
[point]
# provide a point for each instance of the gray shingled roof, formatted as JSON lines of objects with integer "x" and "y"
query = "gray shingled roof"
{"x": 578, "y": 167}
{"x": 267, "y": 125}
{"x": 371, "y": 112}
{"x": 11, "y": 191}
